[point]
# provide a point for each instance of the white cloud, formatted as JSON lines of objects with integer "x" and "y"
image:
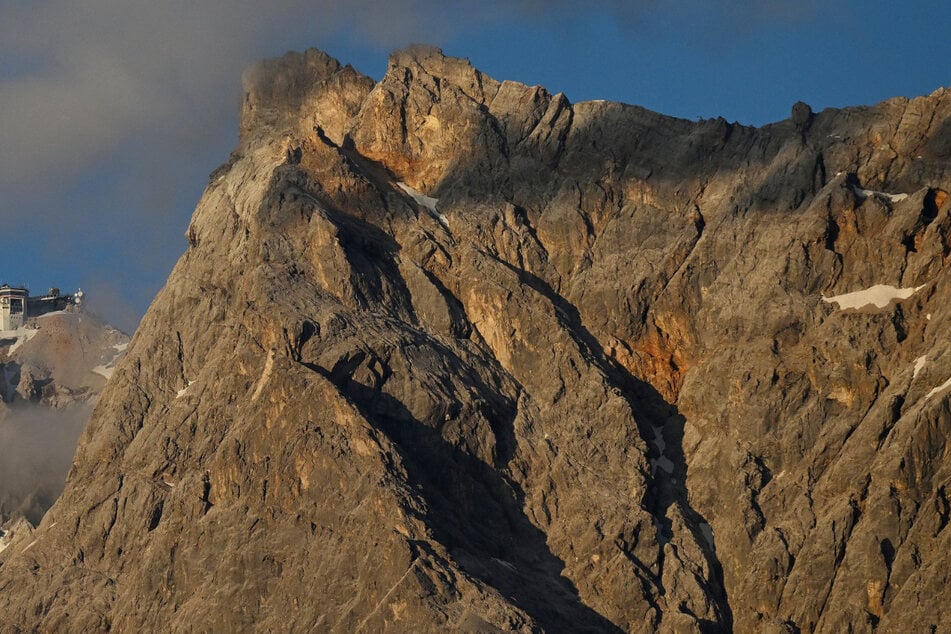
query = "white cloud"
{"x": 81, "y": 78}
{"x": 36, "y": 450}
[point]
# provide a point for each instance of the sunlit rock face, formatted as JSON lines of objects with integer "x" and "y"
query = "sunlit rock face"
{"x": 445, "y": 352}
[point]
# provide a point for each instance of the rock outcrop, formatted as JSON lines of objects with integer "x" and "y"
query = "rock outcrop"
{"x": 448, "y": 352}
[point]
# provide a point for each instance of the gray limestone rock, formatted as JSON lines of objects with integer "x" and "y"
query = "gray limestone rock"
{"x": 449, "y": 353}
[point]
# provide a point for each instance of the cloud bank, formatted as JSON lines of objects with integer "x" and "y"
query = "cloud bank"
{"x": 82, "y": 78}
{"x": 113, "y": 111}
{"x": 37, "y": 444}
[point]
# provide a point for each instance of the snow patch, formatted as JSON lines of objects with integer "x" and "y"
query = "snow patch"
{"x": 880, "y": 296}
{"x": 939, "y": 389}
{"x": 659, "y": 441}
{"x": 502, "y": 562}
{"x": 425, "y": 201}
{"x": 865, "y": 193}
{"x": 104, "y": 370}
{"x": 664, "y": 464}
{"x": 55, "y": 312}
{"x": 919, "y": 364}
{"x": 22, "y": 335}
{"x": 182, "y": 391}
{"x": 29, "y": 546}
{"x": 26, "y": 336}
{"x": 707, "y": 532}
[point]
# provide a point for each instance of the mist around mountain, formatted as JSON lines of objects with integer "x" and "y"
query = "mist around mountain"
{"x": 36, "y": 450}
{"x": 445, "y": 352}
{"x": 51, "y": 372}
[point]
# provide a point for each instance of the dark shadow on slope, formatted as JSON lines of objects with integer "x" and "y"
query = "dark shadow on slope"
{"x": 784, "y": 168}
{"x": 669, "y": 490}
{"x": 938, "y": 146}
{"x": 650, "y": 410}
{"x": 371, "y": 252}
{"x": 477, "y": 515}
{"x": 673, "y": 156}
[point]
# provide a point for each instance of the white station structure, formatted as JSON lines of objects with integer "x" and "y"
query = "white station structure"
{"x": 16, "y": 305}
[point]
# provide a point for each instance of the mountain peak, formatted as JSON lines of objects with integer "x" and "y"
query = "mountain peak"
{"x": 449, "y": 354}
{"x": 420, "y": 53}
{"x": 295, "y": 92}
{"x": 430, "y": 63}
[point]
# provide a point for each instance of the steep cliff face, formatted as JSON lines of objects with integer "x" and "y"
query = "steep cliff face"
{"x": 450, "y": 352}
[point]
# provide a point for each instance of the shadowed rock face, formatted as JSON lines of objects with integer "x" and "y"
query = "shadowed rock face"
{"x": 600, "y": 385}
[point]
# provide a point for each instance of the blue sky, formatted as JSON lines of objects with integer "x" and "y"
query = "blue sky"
{"x": 113, "y": 112}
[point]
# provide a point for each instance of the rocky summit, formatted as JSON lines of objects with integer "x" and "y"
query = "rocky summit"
{"x": 450, "y": 353}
